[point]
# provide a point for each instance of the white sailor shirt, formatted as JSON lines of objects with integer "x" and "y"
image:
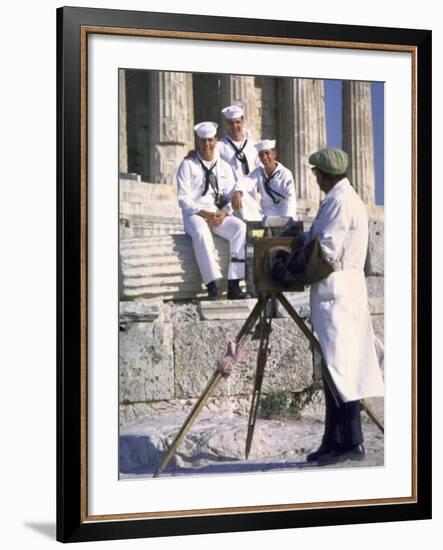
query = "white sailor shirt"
{"x": 191, "y": 185}
{"x": 277, "y": 192}
{"x": 227, "y": 152}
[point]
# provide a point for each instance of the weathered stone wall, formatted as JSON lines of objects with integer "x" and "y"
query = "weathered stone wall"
{"x": 168, "y": 351}
{"x": 170, "y": 342}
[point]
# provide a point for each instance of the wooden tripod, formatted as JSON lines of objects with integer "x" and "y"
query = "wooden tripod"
{"x": 260, "y": 309}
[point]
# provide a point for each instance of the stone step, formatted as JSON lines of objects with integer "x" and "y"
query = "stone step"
{"x": 164, "y": 267}
{"x": 143, "y": 232}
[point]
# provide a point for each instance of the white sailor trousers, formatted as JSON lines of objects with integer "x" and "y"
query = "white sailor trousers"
{"x": 232, "y": 229}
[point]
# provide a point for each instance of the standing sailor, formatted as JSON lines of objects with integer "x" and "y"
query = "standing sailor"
{"x": 204, "y": 187}
{"x": 238, "y": 149}
{"x": 272, "y": 181}
{"x": 339, "y": 309}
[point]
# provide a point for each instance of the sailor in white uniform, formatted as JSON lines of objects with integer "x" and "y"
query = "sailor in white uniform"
{"x": 273, "y": 183}
{"x": 204, "y": 186}
{"x": 339, "y": 309}
{"x": 238, "y": 149}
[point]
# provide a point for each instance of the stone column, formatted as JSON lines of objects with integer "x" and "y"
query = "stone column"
{"x": 137, "y": 122}
{"x": 358, "y": 140}
{"x": 207, "y": 103}
{"x": 171, "y": 121}
{"x": 266, "y": 97}
{"x": 302, "y": 131}
{"x": 240, "y": 90}
{"x": 122, "y": 133}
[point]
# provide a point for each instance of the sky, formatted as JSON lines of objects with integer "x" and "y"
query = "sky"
{"x": 333, "y": 104}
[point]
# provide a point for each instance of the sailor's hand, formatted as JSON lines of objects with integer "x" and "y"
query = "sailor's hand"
{"x": 206, "y": 215}
{"x": 218, "y": 218}
{"x": 236, "y": 201}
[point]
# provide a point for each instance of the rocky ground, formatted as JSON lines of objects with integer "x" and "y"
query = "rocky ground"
{"x": 216, "y": 445}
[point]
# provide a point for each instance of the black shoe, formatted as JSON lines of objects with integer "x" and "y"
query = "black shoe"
{"x": 322, "y": 450}
{"x": 234, "y": 290}
{"x": 214, "y": 293}
{"x": 356, "y": 452}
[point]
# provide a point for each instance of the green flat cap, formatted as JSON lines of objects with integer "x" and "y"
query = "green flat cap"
{"x": 330, "y": 161}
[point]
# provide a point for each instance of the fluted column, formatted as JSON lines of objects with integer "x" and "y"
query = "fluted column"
{"x": 236, "y": 89}
{"x": 302, "y": 131}
{"x": 122, "y": 132}
{"x": 171, "y": 121}
{"x": 358, "y": 140}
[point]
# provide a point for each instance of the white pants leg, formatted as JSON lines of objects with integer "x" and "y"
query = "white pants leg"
{"x": 234, "y": 230}
{"x": 203, "y": 244}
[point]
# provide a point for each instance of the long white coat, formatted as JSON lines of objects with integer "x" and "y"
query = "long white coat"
{"x": 339, "y": 303}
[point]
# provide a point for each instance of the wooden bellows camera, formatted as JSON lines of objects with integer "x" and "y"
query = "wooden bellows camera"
{"x": 264, "y": 241}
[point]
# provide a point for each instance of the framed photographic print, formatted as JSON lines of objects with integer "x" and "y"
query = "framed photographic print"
{"x": 193, "y": 382}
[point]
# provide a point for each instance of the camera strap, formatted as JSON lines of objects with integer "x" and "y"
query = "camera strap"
{"x": 240, "y": 155}
{"x": 269, "y": 191}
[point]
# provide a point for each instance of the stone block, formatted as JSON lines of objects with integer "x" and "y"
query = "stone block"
{"x": 375, "y": 261}
{"x": 299, "y": 301}
{"x": 376, "y": 305}
{"x": 140, "y": 311}
{"x": 375, "y": 286}
{"x": 378, "y": 324}
{"x": 227, "y": 310}
{"x": 182, "y": 312}
{"x": 146, "y": 362}
{"x": 198, "y": 345}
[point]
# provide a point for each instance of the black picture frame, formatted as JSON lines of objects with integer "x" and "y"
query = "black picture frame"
{"x": 73, "y": 25}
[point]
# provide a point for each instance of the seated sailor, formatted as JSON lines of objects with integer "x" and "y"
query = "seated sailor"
{"x": 272, "y": 181}
{"x": 204, "y": 185}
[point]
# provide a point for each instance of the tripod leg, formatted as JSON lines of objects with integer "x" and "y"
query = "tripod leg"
{"x": 369, "y": 411}
{"x": 210, "y": 388}
{"x": 261, "y": 363}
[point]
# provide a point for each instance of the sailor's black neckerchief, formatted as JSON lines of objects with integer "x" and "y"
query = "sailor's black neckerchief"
{"x": 210, "y": 177}
{"x": 240, "y": 155}
{"x": 271, "y": 192}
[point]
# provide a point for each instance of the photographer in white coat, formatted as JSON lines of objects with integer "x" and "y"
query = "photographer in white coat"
{"x": 204, "y": 186}
{"x": 339, "y": 308}
{"x": 272, "y": 181}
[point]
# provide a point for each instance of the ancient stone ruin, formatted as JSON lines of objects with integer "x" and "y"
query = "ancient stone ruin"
{"x": 171, "y": 337}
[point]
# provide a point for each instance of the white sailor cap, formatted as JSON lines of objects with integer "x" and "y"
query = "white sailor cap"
{"x": 206, "y": 129}
{"x": 233, "y": 111}
{"x": 265, "y": 144}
